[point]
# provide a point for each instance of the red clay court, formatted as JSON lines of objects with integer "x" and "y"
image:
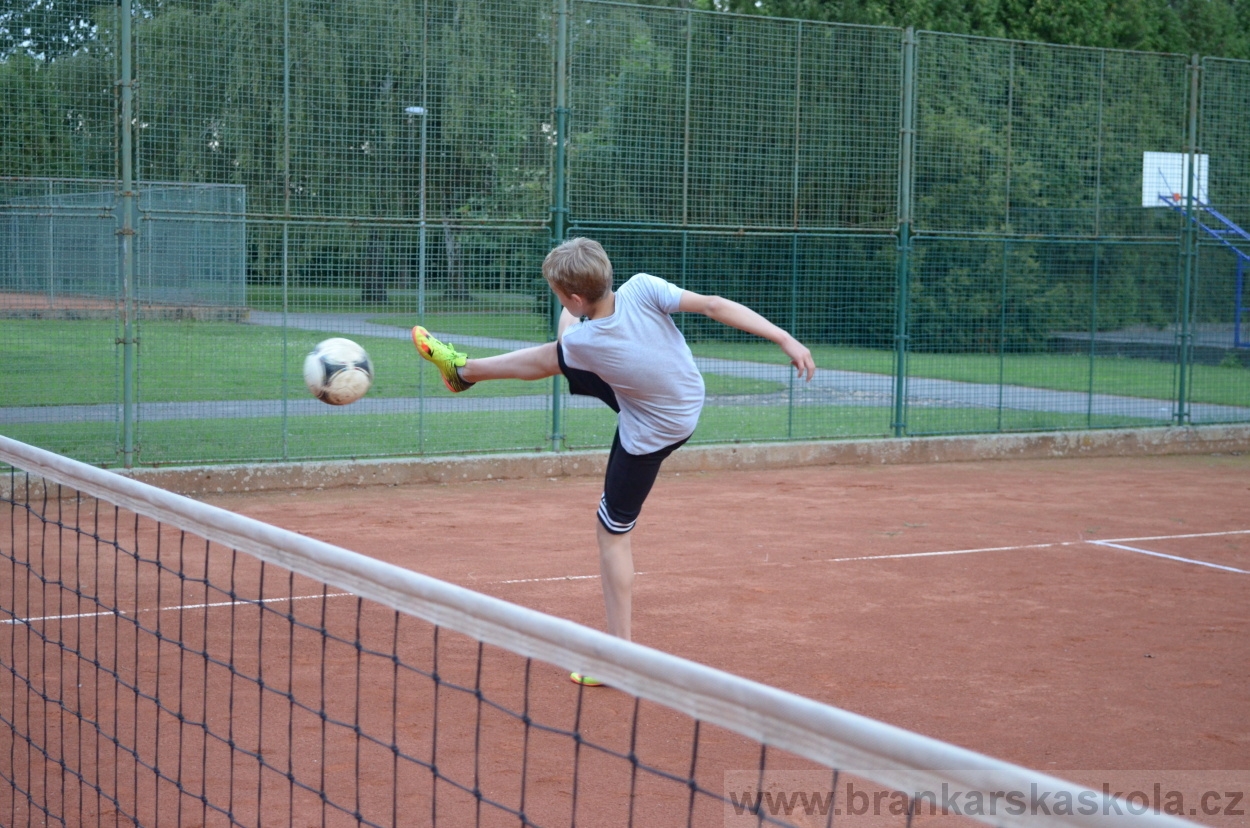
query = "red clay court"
{"x": 1084, "y": 617}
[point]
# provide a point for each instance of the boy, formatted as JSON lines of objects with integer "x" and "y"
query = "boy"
{"x": 622, "y": 347}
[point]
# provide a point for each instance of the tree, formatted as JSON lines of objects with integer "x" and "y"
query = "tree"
{"x": 1209, "y": 27}
{"x": 46, "y": 29}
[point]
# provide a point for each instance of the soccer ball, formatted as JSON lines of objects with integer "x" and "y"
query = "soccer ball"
{"x": 338, "y": 371}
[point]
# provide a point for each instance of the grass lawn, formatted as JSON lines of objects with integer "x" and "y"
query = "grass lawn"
{"x": 306, "y": 299}
{"x": 1218, "y": 385}
{"x": 77, "y": 363}
{"x": 528, "y": 327}
{"x": 347, "y": 436}
{"x": 53, "y": 362}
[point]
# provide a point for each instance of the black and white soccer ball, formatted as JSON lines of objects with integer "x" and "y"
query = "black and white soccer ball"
{"x": 338, "y": 371}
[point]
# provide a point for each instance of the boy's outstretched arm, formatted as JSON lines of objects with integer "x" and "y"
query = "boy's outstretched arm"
{"x": 729, "y": 312}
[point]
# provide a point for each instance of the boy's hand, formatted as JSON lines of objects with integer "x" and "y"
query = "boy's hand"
{"x": 800, "y": 358}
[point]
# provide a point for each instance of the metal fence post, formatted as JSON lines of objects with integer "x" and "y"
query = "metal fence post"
{"x": 1095, "y": 273}
{"x": 1190, "y": 250}
{"x": 286, "y": 223}
{"x": 907, "y": 138}
{"x": 795, "y": 163}
{"x": 559, "y": 206}
{"x": 126, "y": 232}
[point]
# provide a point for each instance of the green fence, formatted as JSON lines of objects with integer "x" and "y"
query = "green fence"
{"x": 955, "y": 225}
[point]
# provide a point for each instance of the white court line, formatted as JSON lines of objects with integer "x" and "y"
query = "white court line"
{"x": 173, "y": 609}
{"x": 1174, "y": 557}
{"x": 1175, "y": 537}
{"x": 944, "y": 552}
{"x": 545, "y": 580}
{"x": 949, "y": 552}
{"x": 1117, "y": 544}
{"x": 792, "y": 563}
{"x": 59, "y": 617}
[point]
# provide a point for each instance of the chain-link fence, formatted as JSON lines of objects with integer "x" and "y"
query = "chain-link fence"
{"x": 958, "y": 227}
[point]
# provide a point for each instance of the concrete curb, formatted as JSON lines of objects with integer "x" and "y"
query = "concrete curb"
{"x": 203, "y": 480}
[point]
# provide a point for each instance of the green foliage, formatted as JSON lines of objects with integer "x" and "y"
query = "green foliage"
{"x": 47, "y": 29}
{"x": 316, "y": 124}
{"x": 57, "y": 116}
{"x": 1230, "y": 361}
{"x": 1212, "y": 27}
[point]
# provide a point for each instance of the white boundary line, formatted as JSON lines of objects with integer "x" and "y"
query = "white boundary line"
{"x": 1174, "y": 537}
{"x": 1118, "y": 543}
{"x": 950, "y": 552}
{"x": 547, "y": 580}
{"x": 179, "y": 607}
{"x": 1114, "y": 543}
{"x": 60, "y": 617}
{"x": 555, "y": 578}
{"x": 1174, "y": 557}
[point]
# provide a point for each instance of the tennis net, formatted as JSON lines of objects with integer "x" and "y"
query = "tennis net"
{"x": 167, "y": 662}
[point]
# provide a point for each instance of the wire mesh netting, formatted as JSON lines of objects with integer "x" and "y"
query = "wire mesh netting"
{"x": 62, "y": 247}
{"x": 954, "y": 225}
{"x": 1223, "y": 260}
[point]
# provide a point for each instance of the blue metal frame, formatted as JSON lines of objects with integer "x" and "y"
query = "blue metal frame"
{"x": 1240, "y": 304}
{"x": 1224, "y": 235}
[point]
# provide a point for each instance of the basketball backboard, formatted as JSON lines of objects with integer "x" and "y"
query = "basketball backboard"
{"x": 1165, "y": 175}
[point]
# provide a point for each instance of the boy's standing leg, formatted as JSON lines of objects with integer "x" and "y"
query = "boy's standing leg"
{"x": 616, "y": 571}
{"x": 626, "y": 484}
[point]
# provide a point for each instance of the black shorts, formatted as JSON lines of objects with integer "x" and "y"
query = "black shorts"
{"x": 629, "y": 477}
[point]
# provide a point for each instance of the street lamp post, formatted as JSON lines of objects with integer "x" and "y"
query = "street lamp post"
{"x": 420, "y": 112}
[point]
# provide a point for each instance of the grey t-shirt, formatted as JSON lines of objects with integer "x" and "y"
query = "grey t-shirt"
{"x": 639, "y": 352}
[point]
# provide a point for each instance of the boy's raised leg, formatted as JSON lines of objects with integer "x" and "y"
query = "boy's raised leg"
{"x": 459, "y": 373}
{"x": 533, "y": 363}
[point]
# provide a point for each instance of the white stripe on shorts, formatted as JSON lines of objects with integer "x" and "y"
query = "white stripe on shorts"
{"x": 612, "y": 526}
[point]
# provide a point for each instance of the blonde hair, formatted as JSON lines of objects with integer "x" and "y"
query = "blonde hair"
{"x": 579, "y": 266}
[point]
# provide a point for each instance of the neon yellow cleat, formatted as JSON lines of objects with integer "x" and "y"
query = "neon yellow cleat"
{"x": 445, "y": 358}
